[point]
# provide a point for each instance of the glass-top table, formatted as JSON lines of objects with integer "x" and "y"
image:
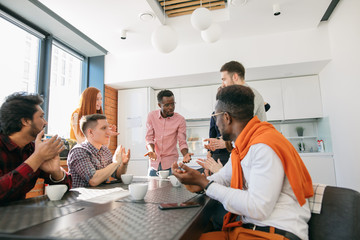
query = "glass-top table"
{"x": 107, "y": 212}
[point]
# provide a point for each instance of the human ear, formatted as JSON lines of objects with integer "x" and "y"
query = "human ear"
{"x": 227, "y": 118}
{"x": 25, "y": 121}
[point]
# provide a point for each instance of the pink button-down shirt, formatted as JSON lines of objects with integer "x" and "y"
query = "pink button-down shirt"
{"x": 164, "y": 133}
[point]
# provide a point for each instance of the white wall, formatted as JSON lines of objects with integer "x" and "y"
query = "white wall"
{"x": 340, "y": 84}
{"x": 257, "y": 51}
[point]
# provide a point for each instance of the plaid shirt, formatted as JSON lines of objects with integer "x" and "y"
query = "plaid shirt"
{"x": 84, "y": 160}
{"x": 16, "y": 177}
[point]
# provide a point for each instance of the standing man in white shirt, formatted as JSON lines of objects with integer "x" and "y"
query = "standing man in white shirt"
{"x": 233, "y": 73}
{"x": 265, "y": 186}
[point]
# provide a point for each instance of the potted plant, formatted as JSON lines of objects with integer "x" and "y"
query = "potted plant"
{"x": 300, "y": 131}
{"x": 301, "y": 147}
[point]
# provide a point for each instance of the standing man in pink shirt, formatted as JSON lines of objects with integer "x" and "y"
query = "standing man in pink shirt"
{"x": 164, "y": 129}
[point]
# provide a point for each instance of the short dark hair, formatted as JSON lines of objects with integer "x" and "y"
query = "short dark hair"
{"x": 164, "y": 93}
{"x": 234, "y": 67}
{"x": 237, "y": 100}
{"x": 17, "y": 106}
{"x": 90, "y": 121}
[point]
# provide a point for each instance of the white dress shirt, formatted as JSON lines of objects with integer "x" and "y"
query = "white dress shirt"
{"x": 267, "y": 199}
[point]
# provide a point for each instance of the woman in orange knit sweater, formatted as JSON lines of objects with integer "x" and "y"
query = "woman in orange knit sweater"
{"x": 90, "y": 103}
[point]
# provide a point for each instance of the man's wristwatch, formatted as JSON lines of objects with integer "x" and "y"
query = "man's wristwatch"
{"x": 207, "y": 186}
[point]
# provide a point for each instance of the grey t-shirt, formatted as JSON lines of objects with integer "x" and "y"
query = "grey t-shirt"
{"x": 259, "y": 109}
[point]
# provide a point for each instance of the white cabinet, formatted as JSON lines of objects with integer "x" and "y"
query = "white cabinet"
{"x": 197, "y": 102}
{"x": 321, "y": 168}
{"x": 301, "y": 97}
{"x": 291, "y": 98}
{"x": 133, "y": 108}
{"x": 193, "y": 102}
{"x": 271, "y": 93}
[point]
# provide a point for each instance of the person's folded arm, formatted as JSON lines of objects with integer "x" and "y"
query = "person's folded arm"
{"x": 266, "y": 181}
{"x": 101, "y": 175}
{"x": 79, "y": 161}
{"x": 67, "y": 179}
{"x": 13, "y": 182}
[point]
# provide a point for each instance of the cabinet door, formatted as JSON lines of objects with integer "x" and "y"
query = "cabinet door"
{"x": 321, "y": 169}
{"x": 197, "y": 102}
{"x": 133, "y": 108}
{"x": 301, "y": 97}
{"x": 271, "y": 93}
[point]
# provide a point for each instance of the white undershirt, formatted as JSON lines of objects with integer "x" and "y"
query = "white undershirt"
{"x": 268, "y": 199}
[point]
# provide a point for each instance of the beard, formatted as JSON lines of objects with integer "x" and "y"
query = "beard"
{"x": 34, "y": 131}
{"x": 226, "y": 137}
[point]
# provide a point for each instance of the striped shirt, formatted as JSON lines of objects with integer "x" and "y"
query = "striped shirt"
{"x": 164, "y": 133}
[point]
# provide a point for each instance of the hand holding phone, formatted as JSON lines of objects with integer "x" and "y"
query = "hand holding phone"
{"x": 166, "y": 206}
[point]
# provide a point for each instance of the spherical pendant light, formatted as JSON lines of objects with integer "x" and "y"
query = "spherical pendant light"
{"x": 212, "y": 34}
{"x": 164, "y": 39}
{"x": 201, "y": 19}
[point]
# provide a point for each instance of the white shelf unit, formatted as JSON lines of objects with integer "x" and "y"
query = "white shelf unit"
{"x": 309, "y": 138}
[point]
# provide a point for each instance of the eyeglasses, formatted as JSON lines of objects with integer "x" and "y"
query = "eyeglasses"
{"x": 216, "y": 114}
{"x": 169, "y": 104}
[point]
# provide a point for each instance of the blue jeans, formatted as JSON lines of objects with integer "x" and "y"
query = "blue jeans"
{"x": 152, "y": 172}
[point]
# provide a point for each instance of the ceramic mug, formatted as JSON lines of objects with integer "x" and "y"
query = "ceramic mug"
{"x": 126, "y": 178}
{"x": 138, "y": 190}
{"x": 163, "y": 173}
{"x": 55, "y": 192}
{"x": 174, "y": 181}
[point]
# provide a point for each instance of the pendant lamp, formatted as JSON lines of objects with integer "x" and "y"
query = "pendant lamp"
{"x": 212, "y": 34}
{"x": 164, "y": 39}
{"x": 201, "y": 19}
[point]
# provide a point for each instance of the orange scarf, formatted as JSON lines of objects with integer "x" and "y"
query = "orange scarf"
{"x": 295, "y": 170}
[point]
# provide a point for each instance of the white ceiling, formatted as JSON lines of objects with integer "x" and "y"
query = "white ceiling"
{"x": 103, "y": 20}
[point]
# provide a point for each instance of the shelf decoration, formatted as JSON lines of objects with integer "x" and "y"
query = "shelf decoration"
{"x": 300, "y": 131}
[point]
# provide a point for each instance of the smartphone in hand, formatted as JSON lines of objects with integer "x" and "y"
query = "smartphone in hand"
{"x": 166, "y": 206}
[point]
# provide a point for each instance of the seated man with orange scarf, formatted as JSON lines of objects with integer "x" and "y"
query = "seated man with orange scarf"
{"x": 265, "y": 186}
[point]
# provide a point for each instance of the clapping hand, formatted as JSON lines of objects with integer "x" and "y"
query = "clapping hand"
{"x": 192, "y": 179}
{"x": 121, "y": 156}
{"x": 214, "y": 144}
{"x": 48, "y": 149}
{"x": 210, "y": 164}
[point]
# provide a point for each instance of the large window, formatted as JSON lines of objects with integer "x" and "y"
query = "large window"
{"x": 19, "y": 57}
{"x": 65, "y": 89}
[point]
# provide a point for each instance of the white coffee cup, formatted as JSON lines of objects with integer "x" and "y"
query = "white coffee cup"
{"x": 163, "y": 173}
{"x": 55, "y": 192}
{"x": 126, "y": 178}
{"x": 138, "y": 190}
{"x": 174, "y": 181}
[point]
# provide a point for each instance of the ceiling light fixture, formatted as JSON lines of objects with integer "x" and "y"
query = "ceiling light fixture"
{"x": 238, "y": 2}
{"x": 201, "y": 18}
{"x": 276, "y": 9}
{"x": 147, "y": 16}
{"x": 212, "y": 34}
{"x": 164, "y": 38}
{"x": 123, "y": 34}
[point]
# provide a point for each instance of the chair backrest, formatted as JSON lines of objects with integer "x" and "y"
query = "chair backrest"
{"x": 339, "y": 218}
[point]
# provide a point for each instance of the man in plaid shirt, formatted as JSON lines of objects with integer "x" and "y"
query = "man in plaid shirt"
{"x": 91, "y": 162}
{"x": 23, "y": 161}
